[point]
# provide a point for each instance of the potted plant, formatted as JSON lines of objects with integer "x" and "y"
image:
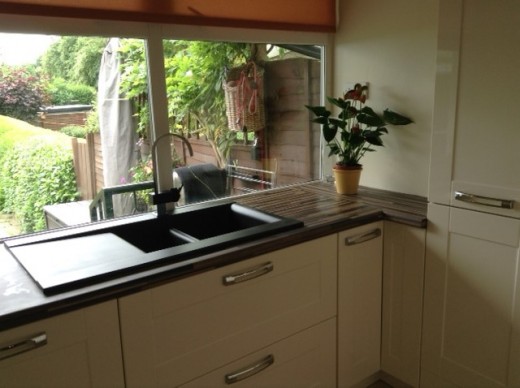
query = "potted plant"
{"x": 360, "y": 128}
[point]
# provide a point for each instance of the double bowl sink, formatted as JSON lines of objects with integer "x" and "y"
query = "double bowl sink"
{"x": 67, "y": 259}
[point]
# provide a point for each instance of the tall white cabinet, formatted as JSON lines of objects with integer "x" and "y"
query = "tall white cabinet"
{"x": 471, "y": 325}
{"x": 476, "y": 117}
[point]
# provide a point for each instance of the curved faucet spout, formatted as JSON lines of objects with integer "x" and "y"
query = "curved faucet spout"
{"x": 160, "y": 199}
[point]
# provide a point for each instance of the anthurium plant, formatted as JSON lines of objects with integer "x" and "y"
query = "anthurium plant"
{"x": 359, "y": 126}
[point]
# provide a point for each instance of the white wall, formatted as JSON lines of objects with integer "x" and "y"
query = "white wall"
{"x": 391, "y": 44}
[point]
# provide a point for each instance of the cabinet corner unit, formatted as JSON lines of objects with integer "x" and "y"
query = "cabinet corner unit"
{"x": 403, "y": 283}
{"x": 380, "y": 294}
{"x": 360, "y": 265}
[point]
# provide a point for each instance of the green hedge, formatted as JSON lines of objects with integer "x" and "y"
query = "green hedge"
{"x": 62, "y": 92}
{"x": 75, "y": 131}
{"x": 36, "y": 173}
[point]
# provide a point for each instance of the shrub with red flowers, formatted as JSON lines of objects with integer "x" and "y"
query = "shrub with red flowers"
{"x": 21, "y": 93}
{"x": 359, "y": 126}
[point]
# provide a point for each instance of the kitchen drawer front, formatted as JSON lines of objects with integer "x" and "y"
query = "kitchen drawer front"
{"x": 77, "y": 349}
{"x": 179, "y": 331}
{"x": 306, "y": 359}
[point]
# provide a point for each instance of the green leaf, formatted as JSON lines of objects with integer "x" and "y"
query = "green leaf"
{"x": 320, "y": 120}
{"x": 370, "y": 120}
{"x": 395, "y": 118}
{"x": 339, "y": 102}
{"x": 354, "y": 139}
{"x": 334, "y": 149}
{"x": 348, "y": 113}
{"x": 373, "y": 138}
{"x": 339, "y": 123}
{"x": 329, "y": 132}
{"x": 369, "y": 111}
{"x": 318, "y": 110}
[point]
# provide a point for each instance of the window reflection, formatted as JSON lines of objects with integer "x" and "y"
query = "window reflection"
{"x": 242, "y": 106}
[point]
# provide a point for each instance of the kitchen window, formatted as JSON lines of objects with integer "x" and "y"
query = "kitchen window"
{"x": 167, "y": 82}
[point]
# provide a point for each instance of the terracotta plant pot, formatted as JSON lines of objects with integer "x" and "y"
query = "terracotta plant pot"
{"x": 347, "y": 179}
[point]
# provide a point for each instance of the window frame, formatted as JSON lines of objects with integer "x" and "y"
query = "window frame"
{"x": 301, "y": 15}
{"x": 153, "y": 35}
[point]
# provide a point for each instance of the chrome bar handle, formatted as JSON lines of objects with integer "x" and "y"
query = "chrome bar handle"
{"x": 486, "y": 201}
{"x": 22, "y": 346}
{"x": 361, "y": 238}
{"x": 249, "y": 274}
{"x": 250, "y": 370}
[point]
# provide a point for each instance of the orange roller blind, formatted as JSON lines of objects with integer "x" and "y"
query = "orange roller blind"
{"x": 298, "y": 15}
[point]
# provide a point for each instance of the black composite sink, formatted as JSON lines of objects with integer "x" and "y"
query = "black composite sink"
{"x": 225, "y": 223}
{"x": 64, "y": 260}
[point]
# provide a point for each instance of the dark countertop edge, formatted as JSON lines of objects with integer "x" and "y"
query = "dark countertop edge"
{"x": 69, "y": 301}
{"x": 164, "y": 274}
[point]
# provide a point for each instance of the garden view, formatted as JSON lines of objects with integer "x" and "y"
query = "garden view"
{"x": 36, "y": 164}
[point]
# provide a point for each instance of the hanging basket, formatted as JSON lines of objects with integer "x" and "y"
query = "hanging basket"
{"x": 244, "y": 97}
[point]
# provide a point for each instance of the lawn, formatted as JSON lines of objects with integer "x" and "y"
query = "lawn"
{"x": 13, "y": 131}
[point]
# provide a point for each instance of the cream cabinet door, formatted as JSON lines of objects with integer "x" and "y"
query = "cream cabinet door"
{"x": 476, "y": 116}
{"x": 177, "y": 332}
{"x": 471, "y": 329}
{"x": 360, "y": 265}
{"x": 403, "y": 284}
{"x": 76, "y": 349}
{"x": 306, "y": 359}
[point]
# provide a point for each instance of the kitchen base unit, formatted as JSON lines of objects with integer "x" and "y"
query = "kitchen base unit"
{"x": 179, "y": 332}
{"x": 403, "y": 283}
{"x": 360, "y": 266}
{"x": 471, "y": 325}
{"x": 76, "y": 349}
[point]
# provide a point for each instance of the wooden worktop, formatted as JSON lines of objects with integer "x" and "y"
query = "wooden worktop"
{"x": 316, "y": 204}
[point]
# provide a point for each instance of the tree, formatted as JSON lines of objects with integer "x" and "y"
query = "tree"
{"x": 134, "y": 80}
{"x": 195, "y": 75}
{"x": 75, "y": 59}
{"x": 22, "y": 93}
{"x": 195, "y": 72}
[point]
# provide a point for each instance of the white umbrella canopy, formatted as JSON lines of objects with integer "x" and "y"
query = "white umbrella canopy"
{"x": 118, "y": 135}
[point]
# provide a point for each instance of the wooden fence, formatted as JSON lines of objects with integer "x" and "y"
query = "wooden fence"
{"x": 88, "y": 165}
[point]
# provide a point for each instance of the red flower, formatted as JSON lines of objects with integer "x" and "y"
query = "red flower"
{"x": 359, "y": 93}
